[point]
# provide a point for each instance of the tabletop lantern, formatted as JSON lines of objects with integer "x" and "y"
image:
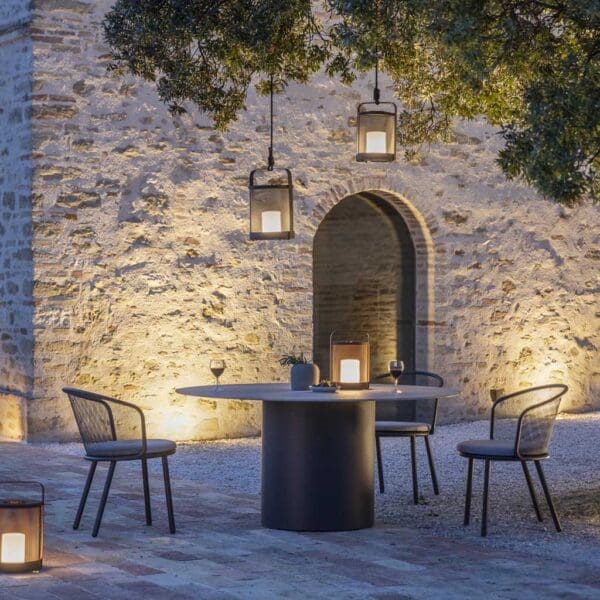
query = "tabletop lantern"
{"x": 349, "y": 360}
{"x": 376, "y": 128}
{"x": 21, "y": 527}
{"x": 272, "y": 199}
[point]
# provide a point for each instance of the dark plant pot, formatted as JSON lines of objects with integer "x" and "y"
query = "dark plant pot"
{"x": 304, "y": 375}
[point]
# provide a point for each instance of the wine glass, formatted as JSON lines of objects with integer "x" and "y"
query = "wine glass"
{"x": 396, "y": 370}
{"x": 217, "y": 366}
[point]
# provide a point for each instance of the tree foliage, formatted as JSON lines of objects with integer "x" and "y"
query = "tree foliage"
{"x": 208, "y": 52}
{"x": 531, "y": 67}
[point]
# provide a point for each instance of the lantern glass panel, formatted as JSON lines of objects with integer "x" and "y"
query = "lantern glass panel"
{"x": 271, "y": 210}
{"x": 21, "y": 531}
{"x": 13, "y": 548}
{"x": 350, "y": 362}
{"x": 376, "y": 135}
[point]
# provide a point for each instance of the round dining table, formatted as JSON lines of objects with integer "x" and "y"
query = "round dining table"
{"x": 317, "y": 451}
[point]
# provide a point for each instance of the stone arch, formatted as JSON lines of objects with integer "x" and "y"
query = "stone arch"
{"x": 429, "y": 253}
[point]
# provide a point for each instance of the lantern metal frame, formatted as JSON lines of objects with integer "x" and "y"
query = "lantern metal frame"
{"x": 252, "y": 186}
{"x": 376, "y": 156}
{"x": 22, "y": 505}
{"x": 378, "y": 110}
{"x": 284, "y": 234}
{"x": 351, "y": 340}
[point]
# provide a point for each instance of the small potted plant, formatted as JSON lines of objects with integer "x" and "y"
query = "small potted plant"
{"x": 302, "y": 374}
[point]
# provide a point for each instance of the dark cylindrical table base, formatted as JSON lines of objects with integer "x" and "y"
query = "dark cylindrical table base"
{"x": 317, "y": 465}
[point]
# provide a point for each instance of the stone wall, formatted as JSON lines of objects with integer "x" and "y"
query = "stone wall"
{"x": 143, "y": 269}
{"x": 15, "y": 218}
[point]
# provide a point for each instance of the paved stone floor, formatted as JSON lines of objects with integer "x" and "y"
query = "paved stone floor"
{"x": 221, "y": 552}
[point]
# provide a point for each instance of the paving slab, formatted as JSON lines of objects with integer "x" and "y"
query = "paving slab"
{"x": 220, "y": 551}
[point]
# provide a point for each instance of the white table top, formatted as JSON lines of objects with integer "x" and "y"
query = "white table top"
{"x": 281, "y": 392}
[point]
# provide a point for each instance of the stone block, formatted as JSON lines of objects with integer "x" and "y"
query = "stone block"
{"x": 13, "y": 417}
{"x": 54, "y": 111}
{"x": 79, "y": 199}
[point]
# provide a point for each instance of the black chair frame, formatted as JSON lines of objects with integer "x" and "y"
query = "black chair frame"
{"x": 413, "y": 434}
{"x": 518, "y": 456}
{"x": 143, "y": 455}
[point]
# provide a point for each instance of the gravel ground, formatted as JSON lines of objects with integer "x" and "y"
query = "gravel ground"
{"x": 572, "y": 472}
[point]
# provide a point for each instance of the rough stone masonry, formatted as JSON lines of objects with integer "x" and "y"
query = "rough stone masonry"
{"x": 125, "y": 262}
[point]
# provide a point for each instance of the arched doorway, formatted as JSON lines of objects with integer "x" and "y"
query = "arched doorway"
{"x": 364, "y": 280}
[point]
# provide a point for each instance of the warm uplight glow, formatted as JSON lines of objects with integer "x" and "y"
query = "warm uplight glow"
{"x": 271, "y": 221}
{"x": 376, "y": 142}
{"x": 13, "y": 548}
{"x": 185, "y": 424}
{"x": 548, "y": 370}
{"x": 13, "y": 417}
{"x": 350, "y": 370}
{"x": 547, "y": 351}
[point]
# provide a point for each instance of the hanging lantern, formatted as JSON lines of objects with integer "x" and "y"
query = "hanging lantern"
{"x": 349, "y": 359}
{"x": 376, "y": 137}
{"x": 376, "y": 128}
{"x": 271, "y": 206}
{"x": 272, "y": 200}
{"x": 21, "y": 529}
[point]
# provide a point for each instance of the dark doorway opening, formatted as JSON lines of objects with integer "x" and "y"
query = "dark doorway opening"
{"x": 364, "y": 280}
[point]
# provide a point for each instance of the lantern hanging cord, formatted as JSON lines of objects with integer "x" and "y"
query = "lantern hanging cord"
{"x": 376, "y": 90}
{"x": 376, "y": 94}
{"x": 271, "y": 160}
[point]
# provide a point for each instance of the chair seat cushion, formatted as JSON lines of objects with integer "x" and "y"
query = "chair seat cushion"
{"x": 487, "y": 448}
{"x": 125, "y": 448}
{"x": 495, "y": 449}
{"x": 401, "y": 427}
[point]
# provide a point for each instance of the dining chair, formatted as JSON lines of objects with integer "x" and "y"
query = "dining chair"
{"x": 411, "y": 419}
{"x": 102, "y": 422}
{"x": 521, "y": 426}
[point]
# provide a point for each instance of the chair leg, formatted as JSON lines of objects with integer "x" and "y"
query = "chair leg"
{"x": 536, "y": 506}
{"x": 540, "y": 471}
{"x": 109, "y": 476}
{"x": 379, "y": 464}
{"x": 168, "y": 493}
{"x": 413, "y": 459}
{"x": 486, "y": 488}
{"x": 84, "y": 495}
{"x": 434, "y": 480}
{"x": 147, "y": 505}
{"x": 469, "y": 493}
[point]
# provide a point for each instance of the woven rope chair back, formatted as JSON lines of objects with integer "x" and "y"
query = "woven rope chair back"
{"x": 528, "y": 418}
{"x": 94, "y": 417}
{"x": 537, "y": 425}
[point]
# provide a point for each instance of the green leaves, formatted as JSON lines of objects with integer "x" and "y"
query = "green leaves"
{"x": 291, "y": 359}
{"x": 207, "y": 52}
{"x": 530, "y": 67}
{"x": 539, "y": 63}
